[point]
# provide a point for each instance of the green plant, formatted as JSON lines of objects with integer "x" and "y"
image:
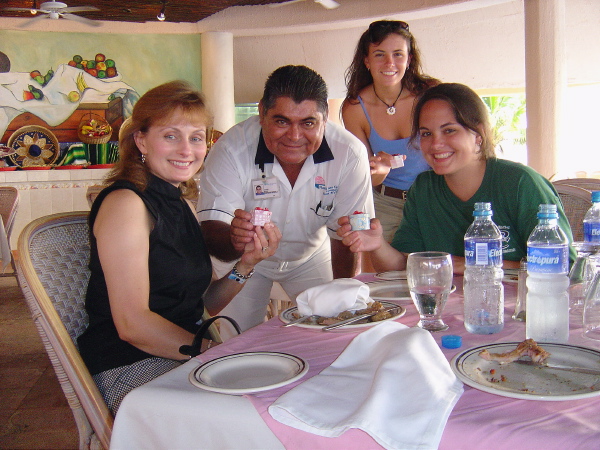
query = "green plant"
{"x": 507, "y": 117}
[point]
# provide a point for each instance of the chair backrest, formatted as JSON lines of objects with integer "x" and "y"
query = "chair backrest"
{"x": 591, "y": 184}
{"x": 92, "y": 192}
{"x": 576, "y": 202}
{"x": 9, "y": 200}
{"x": 53, "y": 254}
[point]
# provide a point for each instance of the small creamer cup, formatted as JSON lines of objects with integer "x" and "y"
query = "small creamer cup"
{"x": 360, "y": 222}
{"x": 260, "y": 217}
{"x": 397, "y": 161}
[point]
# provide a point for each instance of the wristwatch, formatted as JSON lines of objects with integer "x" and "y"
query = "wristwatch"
{"x": 235, "y": 275}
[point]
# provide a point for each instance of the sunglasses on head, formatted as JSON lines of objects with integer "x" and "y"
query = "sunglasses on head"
{"x": 389, "y": 24}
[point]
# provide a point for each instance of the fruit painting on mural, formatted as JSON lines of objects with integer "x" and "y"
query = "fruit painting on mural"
{"x": 99, "y": 66}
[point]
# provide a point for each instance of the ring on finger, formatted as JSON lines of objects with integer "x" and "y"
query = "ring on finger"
{"x": 264, "y": 249}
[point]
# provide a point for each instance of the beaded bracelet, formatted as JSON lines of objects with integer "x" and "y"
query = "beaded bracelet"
{"x": 235, "y": 275}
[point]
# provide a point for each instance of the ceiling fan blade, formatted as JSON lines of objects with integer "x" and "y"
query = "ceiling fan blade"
{"x": 329, "y": 4}
{"x": 9, "y": 8}
{"x": 289, "y": 2}
{"x": 73, "y": 9}
{"x": 35, "y": 19}
{"x": 80, "y": 19}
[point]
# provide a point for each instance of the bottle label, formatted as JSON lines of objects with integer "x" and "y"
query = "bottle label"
{"x": 486, "y": 253}
{"x": 591, "y": 232}
{"x": 548, "y": 259}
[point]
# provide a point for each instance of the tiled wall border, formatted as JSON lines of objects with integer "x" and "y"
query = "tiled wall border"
{"x": 43, "y": 192}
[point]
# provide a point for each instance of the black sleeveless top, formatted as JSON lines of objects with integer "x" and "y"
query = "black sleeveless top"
{"x": 179, "y": 267}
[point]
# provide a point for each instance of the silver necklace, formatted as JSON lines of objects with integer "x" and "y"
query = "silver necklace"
{"x": 391, "y": 109}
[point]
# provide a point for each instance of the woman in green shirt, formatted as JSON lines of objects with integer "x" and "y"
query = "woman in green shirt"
{"x": 451, "y": 122}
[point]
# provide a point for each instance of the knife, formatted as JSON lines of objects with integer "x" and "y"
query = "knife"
{"x": 392, "y": 310}
{"x": 559, "y": 367}
{"x": 299, "y": 320}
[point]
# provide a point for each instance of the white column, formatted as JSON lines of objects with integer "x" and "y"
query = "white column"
{"x": 546, "y": 82}
{"x": 217, "y": 77}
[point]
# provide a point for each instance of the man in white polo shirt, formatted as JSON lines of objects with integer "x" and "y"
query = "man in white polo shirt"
{"x": 306, "y": 171}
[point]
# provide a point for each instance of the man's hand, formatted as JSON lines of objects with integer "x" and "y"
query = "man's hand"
{"x": 242, "y": 231}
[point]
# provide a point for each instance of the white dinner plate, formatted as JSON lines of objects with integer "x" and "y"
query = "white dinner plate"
{"x": 290, "y": 314}
{"x": 244, "y": 373}
{"x": 530, "y": 382}
{"x": 392, "y": 290}
{"x": 391, "y": 275}
{"x": 389, "y": 290}
{"x": 511, "y": 276}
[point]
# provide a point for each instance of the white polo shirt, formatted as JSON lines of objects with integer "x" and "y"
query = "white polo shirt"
{"x": 335, "y": 181}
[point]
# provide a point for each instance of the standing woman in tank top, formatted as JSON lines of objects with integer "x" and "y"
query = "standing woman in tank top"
{"x": 383, "y": 83}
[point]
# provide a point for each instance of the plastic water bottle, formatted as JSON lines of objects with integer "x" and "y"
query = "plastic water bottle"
{"x": 591, "y": 221}
{"x": 547, "y": 280}
{"x": 482, "y": 283}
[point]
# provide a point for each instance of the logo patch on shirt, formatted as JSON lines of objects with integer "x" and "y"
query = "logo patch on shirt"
{"x": 320, "y": 182}
{"x": 505, "y": 232}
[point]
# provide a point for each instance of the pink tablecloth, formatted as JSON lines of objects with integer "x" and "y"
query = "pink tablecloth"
{"x": 479, "y": 419}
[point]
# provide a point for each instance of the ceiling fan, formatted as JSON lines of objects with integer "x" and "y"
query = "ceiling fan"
{"x": 328, "y": 4}
{"x": 58, "y": 10}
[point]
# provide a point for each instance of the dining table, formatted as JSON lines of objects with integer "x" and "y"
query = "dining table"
{"x": 170, "y": 412}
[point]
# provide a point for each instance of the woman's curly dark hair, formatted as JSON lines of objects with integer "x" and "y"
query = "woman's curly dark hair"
{"x": 358, "y": 76}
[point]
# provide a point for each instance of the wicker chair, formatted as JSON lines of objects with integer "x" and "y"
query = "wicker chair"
{"x": 9, "y": 201}
{"x": 92, "y": 192}
{"x": 576, "y": 202}
{"x": 591, "y": 184}
{"x": 53, "y": 254}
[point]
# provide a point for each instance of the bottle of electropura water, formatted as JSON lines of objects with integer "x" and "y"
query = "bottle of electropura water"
{"x": 591, "y": 221}
{"x": 547, "y": 279}
{"x": 482, "y": 283}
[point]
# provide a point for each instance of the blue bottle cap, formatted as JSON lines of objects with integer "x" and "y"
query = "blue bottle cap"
{"x": 451, "y": 341}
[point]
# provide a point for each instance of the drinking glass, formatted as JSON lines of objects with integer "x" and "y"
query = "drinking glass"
{"x": 591, "y": 310}
{"x": 591, "y": 303}
{"x": 582, "y": 273}
{"x": 520, "y": 313}
{"x": 429, "y": 276}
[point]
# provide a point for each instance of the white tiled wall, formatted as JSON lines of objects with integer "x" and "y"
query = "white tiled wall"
{"x": 43, "y": 192}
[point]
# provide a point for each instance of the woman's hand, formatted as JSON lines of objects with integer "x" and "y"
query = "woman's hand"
{"x": 264, "y": 245}
{"x": 380, "y": 167}
{"x": 360, "y": 241}
{"x": 383, "y": 256}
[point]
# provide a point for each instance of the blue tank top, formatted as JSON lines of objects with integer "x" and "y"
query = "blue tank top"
{"x": 414, "y": 164}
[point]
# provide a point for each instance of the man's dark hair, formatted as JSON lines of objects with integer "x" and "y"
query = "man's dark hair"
{"x": 299, "y": 83}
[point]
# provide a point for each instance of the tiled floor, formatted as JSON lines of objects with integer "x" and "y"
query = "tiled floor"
{"x": 34, "y": 413}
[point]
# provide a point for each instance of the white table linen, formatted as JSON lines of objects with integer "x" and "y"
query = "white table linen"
{"x": 148, "y": 427}
{"x": 360, "y": 390}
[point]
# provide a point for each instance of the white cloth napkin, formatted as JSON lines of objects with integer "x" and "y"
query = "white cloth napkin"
{"x": 392, "y": 382}
{"x": 332, "y": 298}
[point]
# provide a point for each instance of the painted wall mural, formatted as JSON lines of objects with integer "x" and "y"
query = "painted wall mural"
{"x": 64, "y": 96}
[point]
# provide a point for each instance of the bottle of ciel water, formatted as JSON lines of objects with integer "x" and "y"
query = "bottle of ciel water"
{"x": 482, "y": 283}
{"x": 547, "y": 280}
{"x": 591, "y": 221}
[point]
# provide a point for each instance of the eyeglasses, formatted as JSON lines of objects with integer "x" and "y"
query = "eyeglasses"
{"x": 388, "y": 24}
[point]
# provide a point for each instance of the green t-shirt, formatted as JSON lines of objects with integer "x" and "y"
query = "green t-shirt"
{"x": 436, "y": 219}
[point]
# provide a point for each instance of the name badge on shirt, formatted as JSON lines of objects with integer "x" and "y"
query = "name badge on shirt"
{"x": 267, "y": 187}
